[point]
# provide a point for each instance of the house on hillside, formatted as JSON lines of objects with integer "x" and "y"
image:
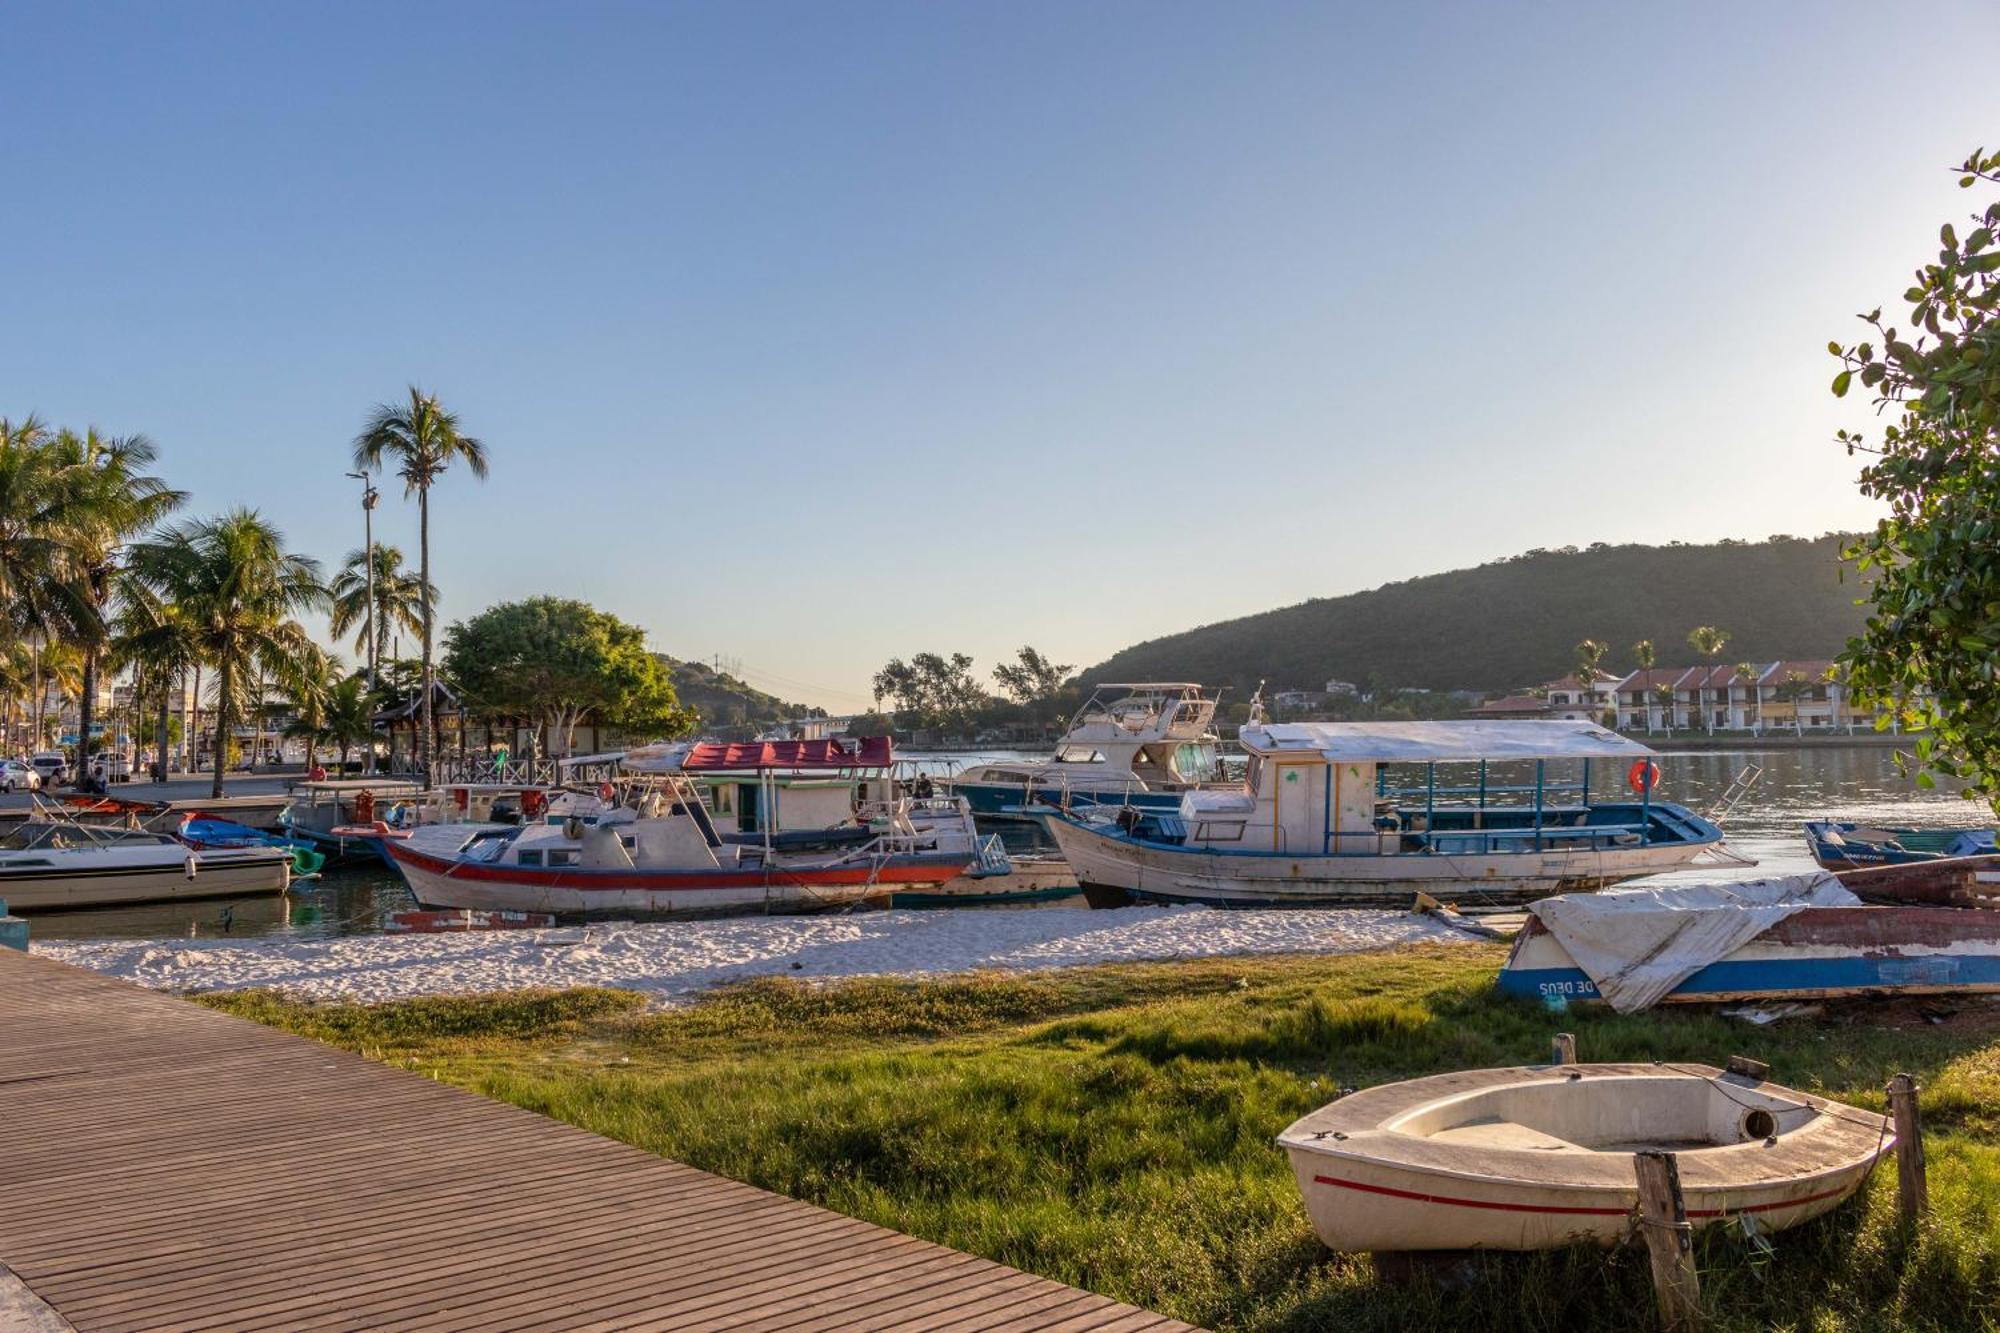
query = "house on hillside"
{"x": 1514, "y": 707}
{"x": 1576, "y": 700}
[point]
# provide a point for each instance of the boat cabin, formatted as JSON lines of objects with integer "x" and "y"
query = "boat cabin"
{"x": 1470, "y": 788}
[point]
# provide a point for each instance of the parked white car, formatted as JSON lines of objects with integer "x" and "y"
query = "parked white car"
{"x": 17, "y": 776}
{"x": 53, "y": 766}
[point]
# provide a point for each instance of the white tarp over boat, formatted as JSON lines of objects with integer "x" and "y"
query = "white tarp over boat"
{"x": 1441, "y": 742}
{"x": 1638, "y": 944}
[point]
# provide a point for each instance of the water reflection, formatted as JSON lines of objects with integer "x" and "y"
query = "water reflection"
{"x": 1847, "y": 782}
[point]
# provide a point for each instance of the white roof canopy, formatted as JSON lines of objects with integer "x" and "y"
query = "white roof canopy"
{"x": 1441, "y": 742}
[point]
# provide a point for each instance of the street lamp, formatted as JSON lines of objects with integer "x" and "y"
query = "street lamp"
{"x": 369, "y": 495}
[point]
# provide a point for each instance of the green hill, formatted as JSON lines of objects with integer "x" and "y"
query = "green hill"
{"x": 1515, "y": 621}
{"x": 725, "y": 703}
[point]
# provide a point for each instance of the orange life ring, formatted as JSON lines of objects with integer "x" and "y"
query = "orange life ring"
{"x": 606, "y": 792}
{"x": 533, "y": 802}
{"x": 1643, "y": 776}
{"x": 364, "y": 806}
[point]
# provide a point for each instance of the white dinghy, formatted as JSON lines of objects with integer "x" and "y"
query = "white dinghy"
{"x": 1530, "y": 1159}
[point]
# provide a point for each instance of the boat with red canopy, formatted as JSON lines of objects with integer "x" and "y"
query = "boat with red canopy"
{"x": 648, "y": 845}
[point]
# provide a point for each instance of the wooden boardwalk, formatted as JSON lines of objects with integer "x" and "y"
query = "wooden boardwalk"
{"x": 163, "y": 1166}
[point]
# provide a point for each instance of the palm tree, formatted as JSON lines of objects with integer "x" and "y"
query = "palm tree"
{"x": 350, "y": 719}
{"x": 1708, "y": 641}
{"x": 399, "y": 599}
{"x": 238, "y": 588}
{"x": 1747, "y": 673}
{"x": 1643, "y": 654}
{"x": 154, "y": 639}
{"x": 16, "y": 668}
{"x": 307, "y": 687}
{"x": 115, "y": 501}
{"x": 422, "y": 439}
{"x": 40, "y": 508}
{"x": 1795, "y": 686}
{"x": 1663, "y": 695}
{"x": 1587, "y": 662}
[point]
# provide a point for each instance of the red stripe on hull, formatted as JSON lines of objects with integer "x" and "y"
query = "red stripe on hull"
{"x": 1498, "y": 1206}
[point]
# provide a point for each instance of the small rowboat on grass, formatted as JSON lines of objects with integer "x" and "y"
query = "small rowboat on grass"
{"x": 1534, "y": 1158}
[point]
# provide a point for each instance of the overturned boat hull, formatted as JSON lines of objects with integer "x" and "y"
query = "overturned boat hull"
{"x": 1820, "y": 953}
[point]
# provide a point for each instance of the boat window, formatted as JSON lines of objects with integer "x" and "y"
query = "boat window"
{"x": 562, "y": 856}
{"x": 533, "y": 858}
{"x": 1078, "y": 754}
{"x": 628, "y": 840}
{"x": 1253, "y": 776}
{"x": 1227, "y": 831}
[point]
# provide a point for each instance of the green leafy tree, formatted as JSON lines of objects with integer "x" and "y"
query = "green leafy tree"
{"x": 1033, "y": 681}
{"x": 931, "y": 690}
{"x": 307, "y": 689}
{"x": 421, "y": 440}
{"x": 399, "y": 600}
{"x": 154, "y": 638}
{"x": 1926, "y": 654}
{"x": 238, "y": 589}
{"x": 560, "y": 662}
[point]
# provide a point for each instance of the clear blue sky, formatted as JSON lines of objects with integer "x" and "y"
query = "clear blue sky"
{"x": 816, "y": 333}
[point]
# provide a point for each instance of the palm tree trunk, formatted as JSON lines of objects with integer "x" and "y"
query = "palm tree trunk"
{"x": 224, "y": 679}
{"x": 424, "y": 557}
{"x": 160, "y": 737}
{"x": 35, "y": 651}
{"x": 86, "y": 714}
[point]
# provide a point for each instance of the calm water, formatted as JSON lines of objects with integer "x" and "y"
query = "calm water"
{"x": 1857, "y": 783}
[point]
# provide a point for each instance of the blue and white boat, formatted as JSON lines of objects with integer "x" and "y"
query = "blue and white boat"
{"x": 1139, "y": 745}
{"x": 1806, "y": 938}
{"x": 1338, "y": 814}
{"x": 1845, "y": 845}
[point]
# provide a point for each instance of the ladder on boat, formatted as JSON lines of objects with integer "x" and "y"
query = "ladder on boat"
{"x": 1738, "y": 788}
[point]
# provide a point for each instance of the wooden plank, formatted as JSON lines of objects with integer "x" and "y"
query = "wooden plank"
{"x": 174, "y": 1166}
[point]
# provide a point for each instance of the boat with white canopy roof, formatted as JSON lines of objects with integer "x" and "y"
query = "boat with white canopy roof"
{"x": 1485, "y": 813}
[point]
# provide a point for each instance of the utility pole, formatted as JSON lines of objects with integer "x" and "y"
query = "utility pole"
{"x": 369, "y": 495}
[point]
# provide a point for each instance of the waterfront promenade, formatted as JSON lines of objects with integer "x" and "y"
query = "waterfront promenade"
{"x": 167, "y": 1166}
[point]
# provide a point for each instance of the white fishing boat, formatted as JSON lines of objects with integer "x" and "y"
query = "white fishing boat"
{"x": 1337, "y": 814}
{"x": 757, "y": 792}
{"x": 650, "y": 847}
{"x": 1138, "y": 745}
{"x": 1534, "y": 1158}
{"x": 50, "y": 866}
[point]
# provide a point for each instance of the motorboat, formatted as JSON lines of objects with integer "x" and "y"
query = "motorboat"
{"x": 652, "y": 848}
{"x": 327, "y": 813}
{"x": 1130, "y": 745}
{"x": 1841, "y": 844}
{"x": 823, "y": 793}
{"x": 53, "y": 865}
{"x": 205, "y": 834}
{"x": 1540, "y": 1157}
{"x": 1368, "y": 814}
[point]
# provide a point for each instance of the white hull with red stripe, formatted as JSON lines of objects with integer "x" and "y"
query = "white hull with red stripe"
{"x": 1535, "y": 1158}
{"x": 444, "y": 868}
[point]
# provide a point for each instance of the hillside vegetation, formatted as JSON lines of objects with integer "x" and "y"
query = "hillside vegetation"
{"x": 1514, "y": 622}
{"x": 723, "y": 702}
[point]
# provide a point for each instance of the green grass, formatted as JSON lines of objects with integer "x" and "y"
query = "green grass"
{"x": 1112, "y": 1127}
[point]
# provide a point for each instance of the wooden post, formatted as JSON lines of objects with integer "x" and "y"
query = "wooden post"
{"x": 1562, "y": 1050}
{"x": 1669, "y": 1241}
{"x": 1912, "y": 1192}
